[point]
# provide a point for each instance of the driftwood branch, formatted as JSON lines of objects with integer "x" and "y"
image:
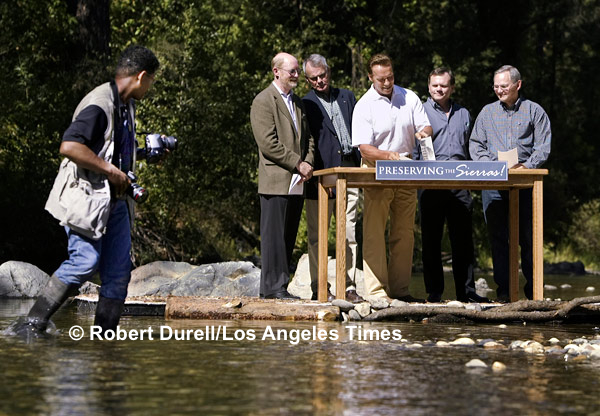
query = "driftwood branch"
{"x": 525, "y": 310}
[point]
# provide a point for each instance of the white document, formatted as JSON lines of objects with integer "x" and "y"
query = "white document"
{"x": 427, "y": 148}
{"x": 296, "y": 187}
{"x": 511, "y": 157}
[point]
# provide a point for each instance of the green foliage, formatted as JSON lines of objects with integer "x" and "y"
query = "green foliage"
{"x": 40, "y": 89}
{"x": 584, "y": 241}
{"x": 215, "y": 58}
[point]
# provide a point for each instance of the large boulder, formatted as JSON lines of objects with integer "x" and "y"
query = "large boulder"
{"x": 163, "y": 278}
{"x": 182, "y": 279}
{"x": 21, "y": 280}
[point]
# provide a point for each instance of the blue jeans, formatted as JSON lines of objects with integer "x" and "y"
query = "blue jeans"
{"x": 110, "y": 255}
{"x": 495, "y": 209}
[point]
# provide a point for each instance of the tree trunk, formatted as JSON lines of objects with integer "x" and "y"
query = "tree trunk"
{"x": 94, "y": 28}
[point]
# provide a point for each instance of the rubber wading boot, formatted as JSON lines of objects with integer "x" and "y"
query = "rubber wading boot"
{"x": 49, "y": 300}
{"x": 108, "y": 313}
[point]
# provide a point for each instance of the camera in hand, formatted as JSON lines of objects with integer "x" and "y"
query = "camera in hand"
{"x": 138, "y": 193}
{"x": 156, "y": 147}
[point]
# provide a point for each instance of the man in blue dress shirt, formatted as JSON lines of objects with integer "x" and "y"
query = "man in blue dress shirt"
{"x": 511, "y": 122}
{"x": 451, "y": 125}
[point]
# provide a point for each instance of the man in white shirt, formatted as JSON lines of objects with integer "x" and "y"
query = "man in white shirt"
{"x": 386, "y": 122}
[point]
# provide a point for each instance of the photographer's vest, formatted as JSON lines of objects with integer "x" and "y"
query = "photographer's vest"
{"x": 106, "y": 97}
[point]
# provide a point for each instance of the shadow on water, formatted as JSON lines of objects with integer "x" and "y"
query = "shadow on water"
{"x": 340, "y": 375}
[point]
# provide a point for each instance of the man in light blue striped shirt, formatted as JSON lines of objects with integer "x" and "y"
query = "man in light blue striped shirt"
{"x": 511, "y": 122}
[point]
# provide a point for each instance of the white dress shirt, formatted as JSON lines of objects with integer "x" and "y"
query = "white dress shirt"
{"x": 287, "y": 98}
{"x": 388, "y": 124}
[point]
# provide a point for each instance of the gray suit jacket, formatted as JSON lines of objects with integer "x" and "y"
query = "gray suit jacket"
{"x": 280, "y": 146}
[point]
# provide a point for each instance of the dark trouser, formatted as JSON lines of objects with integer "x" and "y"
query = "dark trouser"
{"x": 455, "y": 207}
{"x": 279, "y": 219}
{"x": 495, "y": 209}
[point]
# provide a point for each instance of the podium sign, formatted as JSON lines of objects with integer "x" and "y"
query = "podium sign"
{"x": 440, "y": 170}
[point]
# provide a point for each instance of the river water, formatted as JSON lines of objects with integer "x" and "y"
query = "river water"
{"x": 339, "y": 375}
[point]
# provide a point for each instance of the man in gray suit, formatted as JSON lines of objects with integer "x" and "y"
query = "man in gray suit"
{"x": 285, "y": 149}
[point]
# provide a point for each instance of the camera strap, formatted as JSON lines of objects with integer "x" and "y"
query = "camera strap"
{"x": 123, "y": 133}
{"x": 117, "y": 133}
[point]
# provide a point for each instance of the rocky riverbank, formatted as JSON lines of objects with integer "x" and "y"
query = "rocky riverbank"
{"x": 191, "y": 290}
{"x": 570, "y": 350}
{"x": 161, "y": 278}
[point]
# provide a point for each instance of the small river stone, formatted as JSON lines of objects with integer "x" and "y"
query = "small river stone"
{"x": 354, "y": 316}
{"x": 344, "y": 305}
{"x": 463, "y": 341}
{"x": 516, "y": 344}
{"x": 363, "y": 309}
{"x": 572, "y": 349}
{"x": 533, "y": 347}
{"x": 379, "y": 303}
{"x": 587, "y": 349}
{"x": 398, "y": 303}
{"x": 498, "y": 366}
{"x": 550, "y": 287}
{"x": 555, "y": 350}
{"x": 565, "y": 286}
{"x": 595, "y": 355}
{"x": 327, "y": 316}
{"x": 590, "y": 289}
{"x": 493, "y": 345}
{"x": 476, "y": 363}
{"x": 553, "y": 340}
{"x": 455, "y": 304}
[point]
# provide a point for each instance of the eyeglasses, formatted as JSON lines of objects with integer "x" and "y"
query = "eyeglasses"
{"x": 504, "y": 87}
{"x": 293, "y": 72}
{"x": 316, "y": 77}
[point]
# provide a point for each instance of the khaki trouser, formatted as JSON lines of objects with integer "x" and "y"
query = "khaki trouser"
{"x": 312, "y": 223}
{"x": 383, "y": 278}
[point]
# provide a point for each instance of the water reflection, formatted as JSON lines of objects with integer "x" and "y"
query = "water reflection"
{"x": 263, "y": 377}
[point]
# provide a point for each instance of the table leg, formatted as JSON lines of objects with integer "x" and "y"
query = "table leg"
{"x": 538, "y": 241}
{"x": 323, "y": 226}
{"x": 340, "y": 239}
{"x": 513, "y": 244}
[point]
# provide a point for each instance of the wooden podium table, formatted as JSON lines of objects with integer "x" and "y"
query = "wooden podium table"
{"x": 343, "y": 178}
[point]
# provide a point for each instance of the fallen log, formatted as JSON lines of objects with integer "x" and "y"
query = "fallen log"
{"x": 247, "y": 308}
{"x": 524, "y": 310}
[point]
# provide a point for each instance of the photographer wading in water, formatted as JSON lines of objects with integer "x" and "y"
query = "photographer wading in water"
{"x": 95, "y": 192}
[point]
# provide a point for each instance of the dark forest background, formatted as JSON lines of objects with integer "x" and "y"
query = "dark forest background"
{"x": 215, "y": 58}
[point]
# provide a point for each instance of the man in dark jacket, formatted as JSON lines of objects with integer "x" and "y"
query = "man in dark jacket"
{"x": 329, "y": 111}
